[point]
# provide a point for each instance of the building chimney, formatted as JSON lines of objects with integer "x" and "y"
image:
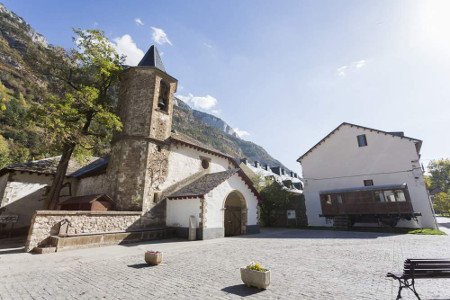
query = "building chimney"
{"x": 244, "y": 160}
{"x": 283, "y": 172}
{"x": 291, "y": 174}
{"x": 266, "y": 167}
{"x": 257, "y": 165}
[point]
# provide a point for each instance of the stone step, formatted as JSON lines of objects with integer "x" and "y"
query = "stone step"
{"x": 62, "y": 243}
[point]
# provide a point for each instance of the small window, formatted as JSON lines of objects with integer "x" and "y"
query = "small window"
{"x": 362, "y": 141}
{"x": 339, "y": 199}
{"x": 205, "y": 163}
{"x": 163, "y": 99}
{"x": 328, "y": 199}
{"x": 368, "y": 182}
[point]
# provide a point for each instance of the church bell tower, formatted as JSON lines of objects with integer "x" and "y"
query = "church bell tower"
{"x": 139, "y": 156}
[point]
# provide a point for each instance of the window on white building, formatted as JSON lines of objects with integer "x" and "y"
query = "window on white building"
{"x": 362, "y": 140}
{"x": 368, "y": 182}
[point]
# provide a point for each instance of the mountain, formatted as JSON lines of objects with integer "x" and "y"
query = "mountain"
{"x": 21, "y": 84}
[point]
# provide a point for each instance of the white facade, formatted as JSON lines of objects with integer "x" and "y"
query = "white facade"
{"x": 186, "y": 161}
{"x": 338, "y": 162}
{"x": 22, "y": 194}
{"x": 215, "y": 202}
{"x": 180, "y": 211}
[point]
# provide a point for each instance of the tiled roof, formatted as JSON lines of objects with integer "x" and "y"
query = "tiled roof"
{"x": 203, "y": 185}
{"x": 208, "y": 182}
{"x": 96, "y": 167}
{"x": 47, "y": 166}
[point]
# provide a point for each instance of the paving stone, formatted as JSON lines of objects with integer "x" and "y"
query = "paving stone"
{"x": 305, "y": 264}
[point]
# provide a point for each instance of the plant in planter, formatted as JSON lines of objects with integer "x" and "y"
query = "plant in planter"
{"x": 153, "y": 258}
{"x": 255, "y": 275}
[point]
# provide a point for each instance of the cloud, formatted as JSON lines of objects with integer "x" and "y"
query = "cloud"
{"x": 139, "y": 22}
{"x": 126, "y": 46}
{"x": 206, "y": 103}
{"x": 360, "y": 64}
{"x": 354, "y": 66}
{"x": 241, "y": 133}
{"x": 207, "y": 45}
{"x": 342, "y": 71}
{"x": 160, "y": 37}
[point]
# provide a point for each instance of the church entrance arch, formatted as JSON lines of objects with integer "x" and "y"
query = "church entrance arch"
{"x": 235, "y": 216}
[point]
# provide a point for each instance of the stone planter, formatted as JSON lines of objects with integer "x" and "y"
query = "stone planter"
{"x": 258, "y": 279}
{"x": 153, "y": 258}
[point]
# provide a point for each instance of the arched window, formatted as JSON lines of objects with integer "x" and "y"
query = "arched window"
{"x": 163, "y": 99}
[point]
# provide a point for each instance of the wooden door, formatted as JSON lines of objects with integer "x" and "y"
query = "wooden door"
{"x": 233, "y": 216}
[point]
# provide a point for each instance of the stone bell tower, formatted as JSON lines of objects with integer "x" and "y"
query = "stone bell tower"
{"x": 139, "y": 156}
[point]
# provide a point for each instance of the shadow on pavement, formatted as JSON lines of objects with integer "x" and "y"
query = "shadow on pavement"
{"x": 299, "y": 233}
{"x": 140, "y": 266}
{"x": 446, "y": 225}
{"x": 241, "y": 290}
{"x": 12, "y": 245}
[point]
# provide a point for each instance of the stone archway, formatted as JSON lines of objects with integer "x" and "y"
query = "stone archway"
{"x": 235, "y": 214}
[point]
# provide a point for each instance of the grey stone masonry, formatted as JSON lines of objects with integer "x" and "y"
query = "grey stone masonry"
{"x": 139, "y": 156}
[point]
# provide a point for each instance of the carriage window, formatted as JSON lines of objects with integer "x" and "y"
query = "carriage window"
{"x": 163, "y": 99}
{"x": 400, "y": 196}
{"x": 379, "y": 196}
{"x": 389, "y": 195}
{"x": 339, "y": 199}
{"x": 329, "y": 199}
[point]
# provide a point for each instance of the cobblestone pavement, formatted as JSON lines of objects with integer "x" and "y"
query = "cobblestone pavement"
{"x": 305, "y": 264}
{"x": 444, "y": 224}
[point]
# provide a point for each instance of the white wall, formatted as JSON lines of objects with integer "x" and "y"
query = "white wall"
{"x": 185, "y": 161}
{"x": 215, "y": 201}
{"x": 179, "y": 211}
{"x": 23, "y": 195}
{"x": 3, "y": 182}
{"x": 340, "y": 156}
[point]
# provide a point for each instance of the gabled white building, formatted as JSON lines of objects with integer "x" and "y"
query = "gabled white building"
{"x": 363, "y": 176}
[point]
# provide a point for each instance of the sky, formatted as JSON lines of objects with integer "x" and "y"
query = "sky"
{"x": 285, "y": 73}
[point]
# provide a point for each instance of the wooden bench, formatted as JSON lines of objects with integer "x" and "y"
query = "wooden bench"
{"x": 420, "y": 269}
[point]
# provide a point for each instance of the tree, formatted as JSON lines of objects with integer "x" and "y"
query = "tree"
{"x": 275, "y": 197}
{"x": 440, "y": 174}
{"x": 4, "y": 152}
{"x": 441, "y": 203}
{"x": 440, "y": 179}
{"x": 79, "y": 112}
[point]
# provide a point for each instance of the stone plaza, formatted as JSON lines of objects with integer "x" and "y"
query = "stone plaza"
{"x": 304, "y": 264}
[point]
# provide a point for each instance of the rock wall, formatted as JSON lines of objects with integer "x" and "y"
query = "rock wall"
{"x": 46, "y": 223}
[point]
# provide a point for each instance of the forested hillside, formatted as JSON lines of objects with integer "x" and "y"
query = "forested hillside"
{"x": 22, "y": 83}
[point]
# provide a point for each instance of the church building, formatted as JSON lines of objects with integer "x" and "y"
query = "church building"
{"x": 169, "y": 179}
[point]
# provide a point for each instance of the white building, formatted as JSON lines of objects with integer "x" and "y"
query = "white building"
{"x": 287, "y": 179}
{"x": 362, "y": 175}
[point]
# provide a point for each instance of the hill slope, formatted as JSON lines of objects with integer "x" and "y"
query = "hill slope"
{"x": 21, "y": 84}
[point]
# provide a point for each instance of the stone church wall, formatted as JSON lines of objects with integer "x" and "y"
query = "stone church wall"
{"x": 46, "y": 223}
{"x": 94, "y": 185}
